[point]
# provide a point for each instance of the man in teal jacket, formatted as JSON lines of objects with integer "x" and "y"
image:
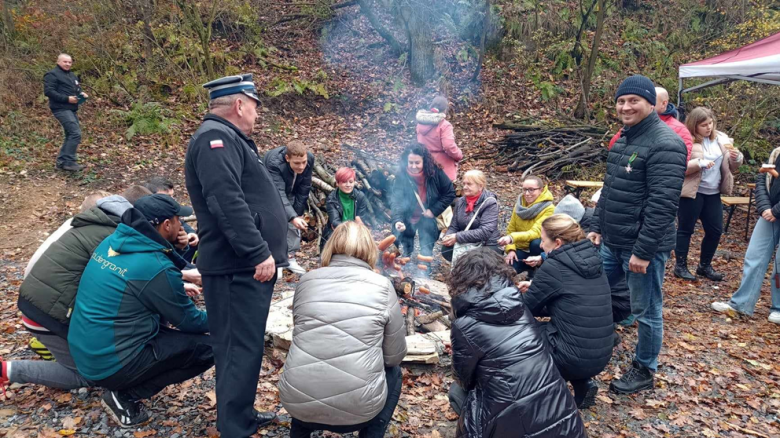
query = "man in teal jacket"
{"x": 129, "y": 294}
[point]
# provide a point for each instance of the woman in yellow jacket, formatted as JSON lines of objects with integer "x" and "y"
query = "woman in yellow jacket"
{"x": 524, "y": 233}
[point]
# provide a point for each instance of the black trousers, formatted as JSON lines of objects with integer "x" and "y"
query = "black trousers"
{"x": 535, "y": 249}
{"x": 374, "y": 428}
{"x": 238, "y": 307}
{"x": 428, "y": 231}
{"x": 457, "y": 396}
{"x": 708, "y": 209}
{"x": 170, "y": 357}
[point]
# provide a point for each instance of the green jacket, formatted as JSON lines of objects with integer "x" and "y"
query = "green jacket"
{"x": 48, "y": 294}
{"x": 131, "y": 283}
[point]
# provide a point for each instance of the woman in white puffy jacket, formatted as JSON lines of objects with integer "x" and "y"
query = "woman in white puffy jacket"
{"x": 342, "y": 373}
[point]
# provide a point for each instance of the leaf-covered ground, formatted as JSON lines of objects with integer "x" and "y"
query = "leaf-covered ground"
{"x": 718, "y": 376}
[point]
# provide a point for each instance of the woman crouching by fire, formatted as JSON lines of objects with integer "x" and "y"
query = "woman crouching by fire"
{"x": 422, "y": 192}
{"x": 507, "y": 383}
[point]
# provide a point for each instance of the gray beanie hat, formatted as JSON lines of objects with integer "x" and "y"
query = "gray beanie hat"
{"x": 571, "y": 206}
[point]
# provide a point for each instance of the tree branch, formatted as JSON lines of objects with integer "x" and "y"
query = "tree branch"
{"x": 395, "y": 46}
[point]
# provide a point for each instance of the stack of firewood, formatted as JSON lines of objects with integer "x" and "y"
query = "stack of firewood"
{"x": 550, "y": 151}
{"x": 372, "y": 179}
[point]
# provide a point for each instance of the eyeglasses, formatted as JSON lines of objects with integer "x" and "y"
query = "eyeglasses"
{"x": 531, "y": 190}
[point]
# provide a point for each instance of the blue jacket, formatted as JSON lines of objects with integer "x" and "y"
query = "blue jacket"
{"x": 131, "y": 283}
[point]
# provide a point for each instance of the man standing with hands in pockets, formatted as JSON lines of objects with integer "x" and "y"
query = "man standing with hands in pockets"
{"x": 242, "y": 227}
{"x": 634, "y": 218}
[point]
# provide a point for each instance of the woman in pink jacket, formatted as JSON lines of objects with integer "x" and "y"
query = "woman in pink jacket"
{"x": 435, "y": 132}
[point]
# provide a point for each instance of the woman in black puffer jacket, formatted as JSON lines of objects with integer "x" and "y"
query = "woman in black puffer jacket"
{"x": 506, "y": 375}
{"x": 572, "y": 288}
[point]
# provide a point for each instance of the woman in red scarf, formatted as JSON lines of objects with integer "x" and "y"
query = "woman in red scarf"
{"x": 478, "y": 207}
{"x": 422, "y": 191}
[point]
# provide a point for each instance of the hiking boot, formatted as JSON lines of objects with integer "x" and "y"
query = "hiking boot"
{"x": 726, "y": 308}
{"x": 69, "y": 167}
{"x": 38, "y": 348}
{"x": 681, "y": 271}
{"x": 774, "y": 317}
{"x": 585, "y": 393}
{"x": 264, "y": 418}
{"x": 125, "y": 411}
{"x": 707, "y": 271}
{"x": 636, "y": 379}
{"x": 294, "y": 267}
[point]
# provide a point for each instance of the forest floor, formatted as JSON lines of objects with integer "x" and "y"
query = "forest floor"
{"x": 718, "y": 376}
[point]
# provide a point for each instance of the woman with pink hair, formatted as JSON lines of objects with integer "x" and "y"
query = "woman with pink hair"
{"x": 344, "y": 204}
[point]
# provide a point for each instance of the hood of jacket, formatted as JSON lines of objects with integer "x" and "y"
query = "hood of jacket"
{"x": 95, "y": 216}
{"x": 546, "y": 195}
{"x": 503, "y": 306}
{"x": 114, "y": 204}
{"x": 135, "y": 235}
{"x": 428, "y": 121}
{"x": 581, "y": 257}
{"x": 670, "y": 110}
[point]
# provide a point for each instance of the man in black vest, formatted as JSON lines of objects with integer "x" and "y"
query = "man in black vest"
{"x": 62, "y": 88}
{"x": 242, "y": 227}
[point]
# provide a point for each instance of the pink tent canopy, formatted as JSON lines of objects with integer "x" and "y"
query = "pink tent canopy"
{"x": 756, "y": 62}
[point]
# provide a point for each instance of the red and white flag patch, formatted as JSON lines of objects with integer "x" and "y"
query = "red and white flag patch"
{"x": 217, "y": 144}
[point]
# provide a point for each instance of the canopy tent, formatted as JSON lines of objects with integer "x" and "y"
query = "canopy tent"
{"x": 756, "y": 62}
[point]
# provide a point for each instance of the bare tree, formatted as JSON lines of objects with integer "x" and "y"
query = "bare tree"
{"x": 416, "y": 16}
{"x": 585, "y": 74}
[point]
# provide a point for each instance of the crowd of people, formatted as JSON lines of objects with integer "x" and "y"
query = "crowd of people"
{"x": 109, "y": 294}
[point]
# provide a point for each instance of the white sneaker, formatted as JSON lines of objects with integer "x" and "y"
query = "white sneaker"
{"x": 724, "y": 308}
{"x": 774, "y": 317}
{"x": 279, "y": 273}
{"x": 295, "y": 267}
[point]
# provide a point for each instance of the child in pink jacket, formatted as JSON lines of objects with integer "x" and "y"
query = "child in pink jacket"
{"x": 435, "y": 132}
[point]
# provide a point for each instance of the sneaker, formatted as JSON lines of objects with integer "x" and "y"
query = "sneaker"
{"x": 295, "y": 268}
{"x": 125, "y": 411}
{"x": 707, "y": 271}
{"x": 722, "y": 307}
{"x": 628, "y": 321}
{"x": 69, "y": 167}
{"x": 774, "y": 317}
{"x": 636, "y": 379}
{"x": 38, "y": 348}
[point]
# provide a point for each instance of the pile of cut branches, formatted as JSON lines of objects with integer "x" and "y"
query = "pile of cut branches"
{"x": 552, "y": 151}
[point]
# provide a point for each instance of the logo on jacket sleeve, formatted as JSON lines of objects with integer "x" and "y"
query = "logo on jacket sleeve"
{"x": 216, "y": 144}
{"x": 111, "y": 252}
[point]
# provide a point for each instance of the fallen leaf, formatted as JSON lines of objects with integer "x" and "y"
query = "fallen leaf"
{"x": 67, "y": 432}
{"x": 144, "y": 433}
{"x": 605, "y": 399}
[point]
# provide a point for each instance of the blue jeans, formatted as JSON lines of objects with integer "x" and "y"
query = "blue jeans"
{"x": 759, "y": 252}
{"x": 646, "y": 299}
{"x": 70, "y": 124}
{"x": 534, "y": 249}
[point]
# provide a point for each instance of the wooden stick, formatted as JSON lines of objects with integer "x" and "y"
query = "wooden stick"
{"x": 410, "y": 330}
{"x": 323, "y": 174}
{"x": 321, "y": 185}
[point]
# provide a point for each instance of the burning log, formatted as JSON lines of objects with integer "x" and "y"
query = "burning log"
{"x": 403, "y": 286}
{"x": 410, "y": 328}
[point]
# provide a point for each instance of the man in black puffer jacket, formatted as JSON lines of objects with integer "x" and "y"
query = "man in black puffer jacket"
{"x": 635, "y": 218}
{"x": 62, "y": 88}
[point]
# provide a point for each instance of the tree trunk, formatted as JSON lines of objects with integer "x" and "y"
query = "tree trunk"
{"x": 395, "y": 46}
{"x": 7, "y": 27}
{"x": 416, "y": 16}
{"x": 482, "y": 39}
{"x": 582, "y": 107}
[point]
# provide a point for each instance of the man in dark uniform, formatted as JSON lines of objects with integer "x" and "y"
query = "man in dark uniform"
{"x": 62, "y": 88}
{"x": 242, "y": 227}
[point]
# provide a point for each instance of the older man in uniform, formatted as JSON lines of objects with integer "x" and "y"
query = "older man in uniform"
{"x": 242, "y": 227}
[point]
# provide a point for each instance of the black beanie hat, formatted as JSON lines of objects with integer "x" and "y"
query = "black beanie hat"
{"x": 639, "y": 85}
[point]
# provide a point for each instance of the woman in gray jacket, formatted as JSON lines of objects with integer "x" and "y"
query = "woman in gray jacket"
{"x": 475, "y": 217}
{"x": 342, "y": 373}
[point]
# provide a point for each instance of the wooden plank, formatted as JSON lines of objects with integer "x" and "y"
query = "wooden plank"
{"x": 584, "y": 184}
{"x": 427, "y": 358}
{"x": 734, "y": 200}
{"x": 751, "y": 185}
